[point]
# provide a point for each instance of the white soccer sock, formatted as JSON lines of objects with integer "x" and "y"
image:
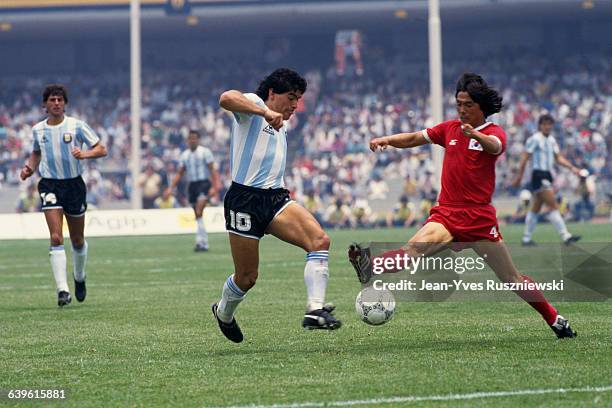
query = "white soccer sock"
{"x": 231, "y": 296}
{"x": 531, "y": 221}
{"x": 57, "y": 255}
{"x": 557, "y": 221}
{"x": 201, "y": 234}
{"x": 79, "y": 259}
{"x": 316, "y": 274}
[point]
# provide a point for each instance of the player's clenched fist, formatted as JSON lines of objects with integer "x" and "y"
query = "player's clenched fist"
{"x": 26, "y": 172}
{"x": 468, "y": 129}
{"x": 275, "y": 119}
{"x": 378, "y": 143}
{"x": 78, "y": 153}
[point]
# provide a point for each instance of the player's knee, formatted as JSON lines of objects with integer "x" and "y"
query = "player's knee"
{"x": 56, "y": 239}
{"x": 246, "y": 279}
{"x": 320, "y": 243}
{"x": 78, "y": 242}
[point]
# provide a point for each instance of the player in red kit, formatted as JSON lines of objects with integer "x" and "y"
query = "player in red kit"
{"x": 464, "y": 213}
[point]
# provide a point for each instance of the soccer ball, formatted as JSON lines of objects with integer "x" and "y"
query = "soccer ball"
{"x": 375, "y": 307}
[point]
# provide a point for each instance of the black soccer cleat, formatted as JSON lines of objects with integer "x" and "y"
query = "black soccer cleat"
{"x": 321, "y": 319}
{"x": 361, "y": 259}
{"x": 562, "y": 328}
{"x": 529, "y": 243}
{"x": 572, "y": 239}
{"x": 80, "y": 290}
{"x": 230, "y": 330}
{"x": 200, "y": 248}
{"x": 63, "y": 298}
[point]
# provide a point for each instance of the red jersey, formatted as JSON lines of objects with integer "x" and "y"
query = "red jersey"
{"x": 468, "y": 172}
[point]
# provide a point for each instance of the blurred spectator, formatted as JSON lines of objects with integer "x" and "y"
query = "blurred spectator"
{"x": 29, "y": 200}
{"x": 337, "y": 215}
{"x": 403, "y": 214}
{"x": 150, "y": 182}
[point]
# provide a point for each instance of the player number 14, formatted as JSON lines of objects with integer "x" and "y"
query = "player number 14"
{"x": 240, "y": 221}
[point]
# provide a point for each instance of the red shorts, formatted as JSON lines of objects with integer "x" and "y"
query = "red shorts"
{"x": 467, "y": 224}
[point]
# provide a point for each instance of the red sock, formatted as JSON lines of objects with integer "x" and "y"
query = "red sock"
{"x": 537, "y": 300}
{"x": 392, "y": 254}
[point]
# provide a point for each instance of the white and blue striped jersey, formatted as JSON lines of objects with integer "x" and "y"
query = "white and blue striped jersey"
{"x": 258, "y": 152}
{"x": 543, "y": 150}
{"x": 196, "y": 163}
{"x": 55, "y": 144}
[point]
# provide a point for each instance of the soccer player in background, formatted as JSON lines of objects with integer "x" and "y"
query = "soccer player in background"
{"x": 257, "y": 202}
{"x": 199, "y": 164}
{"x": 464, "y": 213}
{"x": 57, "y": 154}
{"x": 544, "y": 150}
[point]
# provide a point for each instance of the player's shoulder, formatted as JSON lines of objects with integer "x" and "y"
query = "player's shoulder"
{"x": 253, "y": 97}
{"x": 40, "y": 125}
{"x": 205, "y": 150}
{"x": 491, "y": 128}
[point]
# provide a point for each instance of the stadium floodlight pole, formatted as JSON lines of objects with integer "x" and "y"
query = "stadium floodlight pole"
{"x": 135, "y": 101}
{"x": 435, "y": 80}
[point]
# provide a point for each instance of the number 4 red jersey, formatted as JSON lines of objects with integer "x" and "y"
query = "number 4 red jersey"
{"x": 468, "y": 172}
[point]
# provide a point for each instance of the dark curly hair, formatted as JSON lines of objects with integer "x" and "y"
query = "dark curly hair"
{"x": 281, "y": 80}
{"x": 487, "y": 98}
{"x": 55, "y": 90}
{"x": 545, "y": 118}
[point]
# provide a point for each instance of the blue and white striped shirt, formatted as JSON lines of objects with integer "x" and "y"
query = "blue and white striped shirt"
{"x": 196, "y": 163}
{"x": 258, "y": 153}
{"x": 543, "y": 150}
{"x": 55, "y": 144}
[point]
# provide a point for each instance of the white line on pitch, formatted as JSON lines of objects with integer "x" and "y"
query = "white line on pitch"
{"x": 448, "y": 397}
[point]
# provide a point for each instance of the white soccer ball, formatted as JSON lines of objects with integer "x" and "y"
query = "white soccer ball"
{"x": 375, "y": 307}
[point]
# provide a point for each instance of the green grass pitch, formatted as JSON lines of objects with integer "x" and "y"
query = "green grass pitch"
{"x": 145, "y": 336}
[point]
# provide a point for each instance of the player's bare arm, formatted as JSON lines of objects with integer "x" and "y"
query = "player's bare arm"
{"x": 214, "y": 176}
{"x": 97, "y": 150}
{"x": 562, "y": 161}
{"x": 32, "y": 164}
{"x": 235, "y": 101}
{"x": 490, "y": 144}
{"x": 174, "y": 182}
{"x": 521, "y": 169}
{"x": 399, "y": 140}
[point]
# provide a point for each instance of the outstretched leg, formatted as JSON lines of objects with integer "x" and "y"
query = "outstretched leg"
{"x": 498, "y": 258}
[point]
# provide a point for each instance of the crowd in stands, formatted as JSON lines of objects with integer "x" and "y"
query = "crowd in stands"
{"x": 330, "y": 169}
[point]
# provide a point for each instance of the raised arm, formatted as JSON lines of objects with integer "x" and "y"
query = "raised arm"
{"x": 399, "y": 140}
{"x": 490, "y": 144}
{"x": 235, "y": 101}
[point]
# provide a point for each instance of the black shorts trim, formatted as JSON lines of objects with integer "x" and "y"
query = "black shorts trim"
{"x": 249, "y": 210}
{"x": 541, "y": 180}
{"x": 68, "y": 194}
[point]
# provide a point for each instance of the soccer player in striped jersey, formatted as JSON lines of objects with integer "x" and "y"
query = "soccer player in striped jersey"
{"x": 257, "y": 202}
{"x": 57, "y": 153}
{"x": 464, "y": 213}
{"x": 543, "y": 149}
{"x": 199, "y": 164}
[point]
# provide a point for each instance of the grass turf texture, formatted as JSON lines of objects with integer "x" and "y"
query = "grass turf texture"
{"x": 145, "y": 336}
